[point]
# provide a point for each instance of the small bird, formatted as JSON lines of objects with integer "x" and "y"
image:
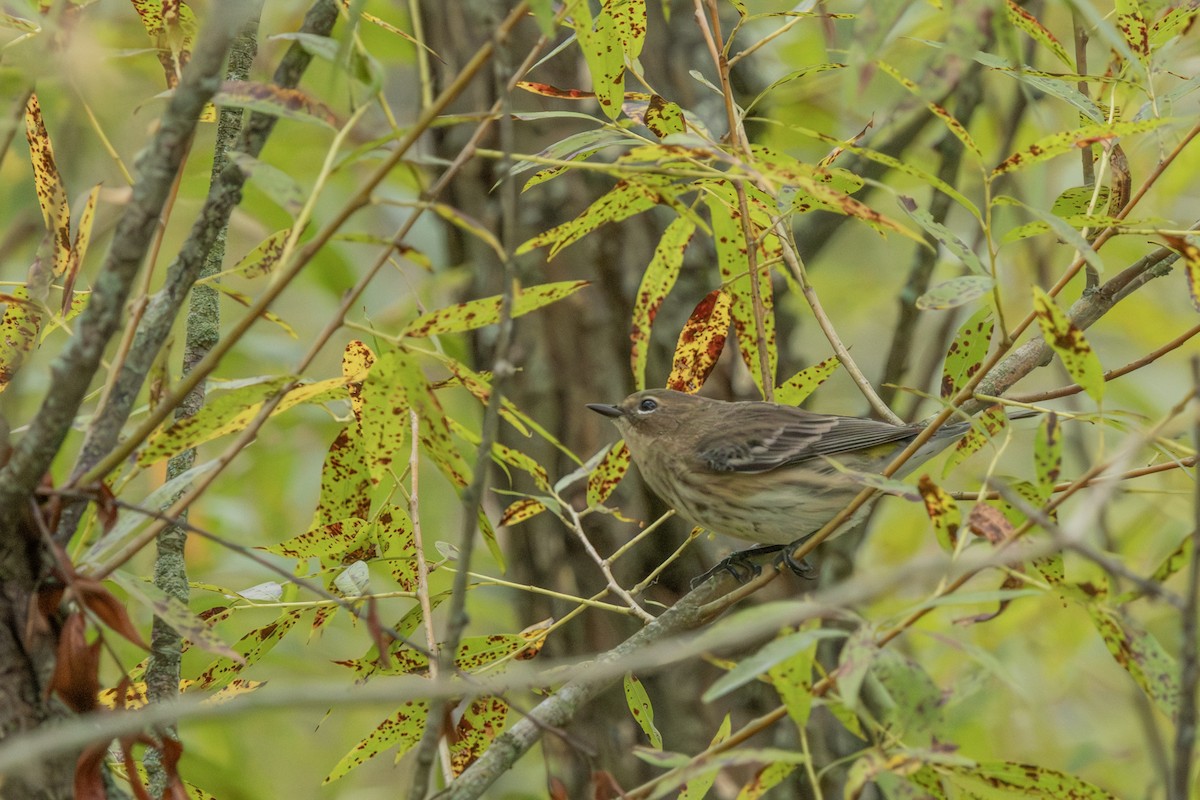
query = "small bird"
{"x": 759, "y": 471}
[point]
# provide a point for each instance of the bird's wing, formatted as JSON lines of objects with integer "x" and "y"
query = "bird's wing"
{"x": 765, "y": 441}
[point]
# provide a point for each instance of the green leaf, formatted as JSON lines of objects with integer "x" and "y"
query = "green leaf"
{"x": 965, "y": 356}
{"x": 273, "y": 182}
{"x": 729, "y": 237}
{"x": 1070, "y": 141}
{"x": 955, "y": 127}
{"x": 630, "y": 196}
{"x": 1137, "y": 651}
{"x": 1047, "y": 456}
{"x": 796, "y": 389}
{"x": 657, "y": 282}
{"x": 174, "y": 613}
{"x": 603, "y": 480}
{"x": 402, "y": 729}
{"x": 599, "y": 40}
{"x": 955, "y": 292}
{"x": 1022, "y": 19}
{"x": 765, "y": 779}
{"x": 699, "y": 786}
{"x": 912, "y": 704}
{"x": 1069, "y": 342}
{"x": 943, "y": 513}
{"x": 643, "y": 712}
{"x": 945, "y": 236}
{"x": 769, "y": 655}
{"x": 1025, "y": 780}
{"x": 334, "y": 545}
{"x": 249, "y": 649}
{"x": 18, "y": 332}
{"x": 475, "y": 314}
{"x": 854, "y": 663}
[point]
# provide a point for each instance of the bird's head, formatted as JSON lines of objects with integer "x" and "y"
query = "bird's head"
{"x": 653, "y": 412}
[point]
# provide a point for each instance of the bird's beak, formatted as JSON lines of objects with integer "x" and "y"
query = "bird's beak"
{"x": 606, "y": 410}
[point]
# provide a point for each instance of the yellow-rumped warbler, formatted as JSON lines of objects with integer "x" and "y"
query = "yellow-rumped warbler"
{"x": 759, "y": 471}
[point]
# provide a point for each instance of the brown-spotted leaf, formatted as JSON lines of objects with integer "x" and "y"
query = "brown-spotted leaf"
{"x": 955, "y": 292}
{"x": 642, "y": 710}
{"x": 396, "y": 538}
{"x": 1191, "y": 264}
{"x": 1133, "y": 29}
{"x": 475, "y": 314}
{"x": 603, "y": 480}
{"x": 263, "y": 258}
{"x": 483, "y": 720}
{"x": 1024, "y": 20}
{"x": 657, "y": 282}
{"x": 943, "y": 512}
{"x": 83, "y": 237}
{"x": 252, "y": 647}
{"x": 48, "y": 183}
{"x": 1141, "y": 655}
{"x": 402, "y": 729}
{"x": 1176, "y": 20}
{"x": 275, "y": 101}
{"x": 177, "y": 615}
{"x": 243, "y": 299}
{"x": 546, "y": 90}
{"x": 335, "y": 544}
{"x": 796, "y": 389}
{"x": 520, "y": 510}
{"x": 630, "y": 196}
{"x": 664, "y": 117}
{"x": 1047, "y": 455}
{"x": 965, "y": 356}
{"x": 701, "y": 342}
{"x": 949, "y": 120}
{"x": 357, "y": 359}
{"x": 345, "y": 479}
{"x": 599, "y": 40}
{"x": 1012, "y": 779}
{"x": 1069, "y": 141}
{"x": 1070, "y": 344}
{"x": 19, "y": 329}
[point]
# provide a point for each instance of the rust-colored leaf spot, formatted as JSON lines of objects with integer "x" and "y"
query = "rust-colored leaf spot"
{"x": 701, "y": 342}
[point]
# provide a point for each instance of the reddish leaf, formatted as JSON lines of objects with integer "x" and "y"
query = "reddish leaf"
{"x": 989, "y": 523}
{"x": 76, "y": 670}
{"x": 101, "y": 602}
{"x": 89, "y": 784}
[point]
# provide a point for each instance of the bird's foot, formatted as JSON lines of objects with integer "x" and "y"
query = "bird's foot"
{"x": 742, "y": 565}
{"x": 800, "y": 568}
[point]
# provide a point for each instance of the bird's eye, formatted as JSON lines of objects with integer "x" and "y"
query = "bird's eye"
{"x": 647, "y": 405}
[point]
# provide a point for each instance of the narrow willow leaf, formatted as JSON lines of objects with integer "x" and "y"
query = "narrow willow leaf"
{"x": 967, "y": 352}
{"x": 1047, "y": 456}
{"x": 1070, "y": 344}
{"x": 796, "y": 389}
{"x": 697, "y": 787}
{"x": 630, "y": 196}
{"x": 176, "y": 614}
{"x": 643, "y": 712}
{"x": 249, "y": 650}
{"x": 1175, "y": 21}
{"x": 129, "y": 521}
{"x": 1022, "y": 19}
{"x": 943, "y": 513}
{"x": 854, "y": 664}
{"x": 1139, "y": 653}
{"x": 486, "y": 311}
{"x": 599, "y": 41}
{"x": 986, "y": 426}
{"x": 48, "y": 184}
{"x": 729, "y": 236}
{"x": 700, "y": 342}
{"x": 602, "y": 481}
{"x": 948, "y": 239}
{"x": 276, "y": 101}
{"x": 769, "y": 655}
{"x": 955, "y": 292}
{"x": 83, "y": 237}
{"x": 276, "y": 184}
{"x": 263, "y": 258}
{"x": 1069, "y": 235}
{"x": 345, "y": 479}
{"x": 521, "y": 510}
{"x": 657, "y": 282}
{"x": 1024, "y": 780}
{"x": 1132, "y": 27}
{"x": 1069, "y": 141}
{"x": 955, "y": 127}
{"x": 402, "y": 729}
{"x": 765, "y": 779}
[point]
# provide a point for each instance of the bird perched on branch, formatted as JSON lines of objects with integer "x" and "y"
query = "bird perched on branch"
{"x": 767, "y": 473}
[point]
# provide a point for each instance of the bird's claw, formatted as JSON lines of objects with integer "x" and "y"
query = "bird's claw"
{"x": 741, "y": 565}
